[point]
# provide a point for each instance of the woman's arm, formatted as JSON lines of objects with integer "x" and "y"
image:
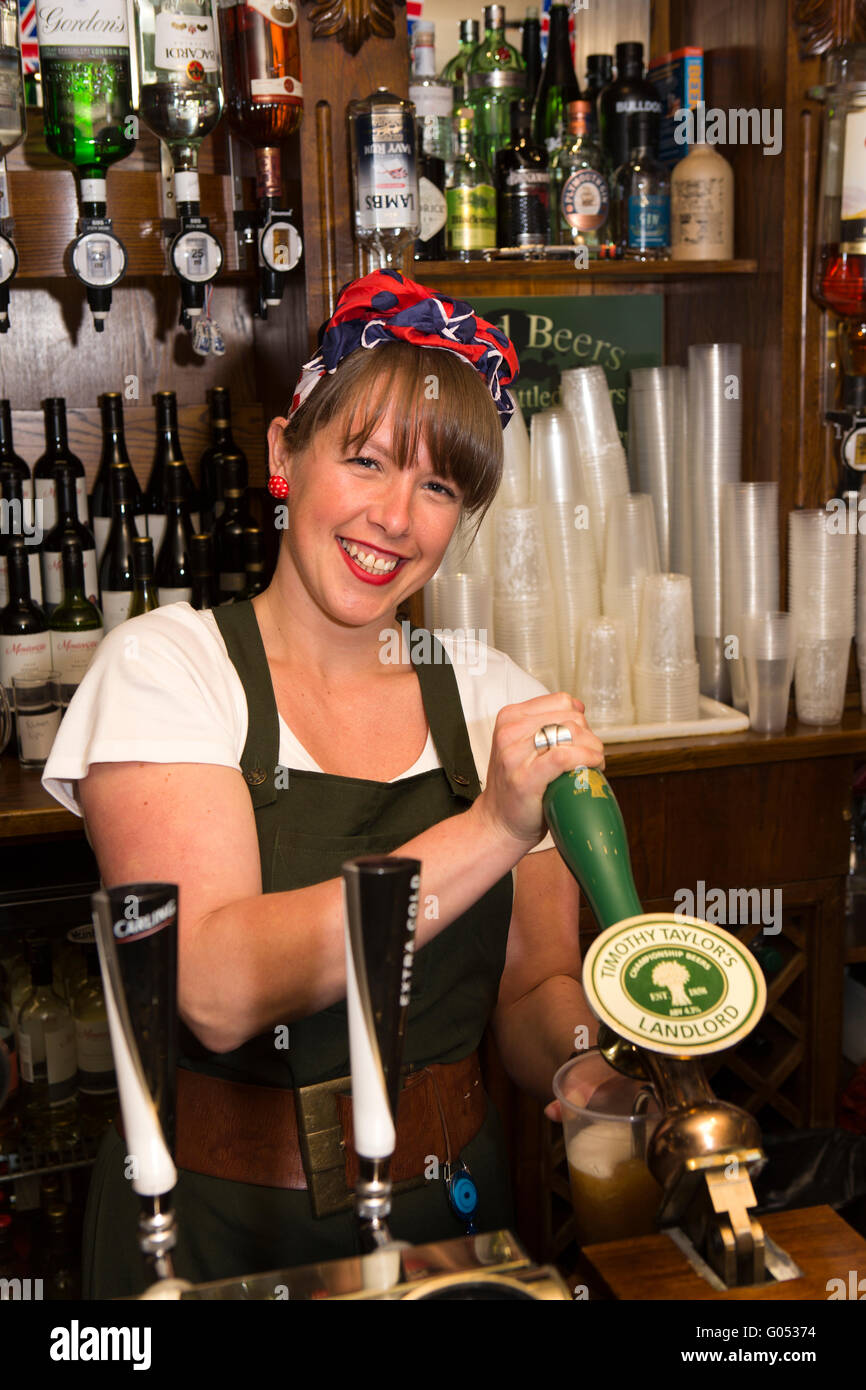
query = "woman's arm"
{"x": 248, "y": 960}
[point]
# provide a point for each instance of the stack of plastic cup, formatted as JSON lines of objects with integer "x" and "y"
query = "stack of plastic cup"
{"x": 467, "y": 553}
{"x": 714, "y": 452}
{"x": 465, "y": 604}
{"x": 554, "y": 469}
{"x": 666, "y": 671}
{"x": 524, "y": 614}
{"x": 586, "y": 396}
{"x": 768, "y": 649}
{"x": 861, "y": 600}
{"x": 514, "y": 488}
{"x": 601, "y": 678}
{"x": 750, "y": 564}
{"x": 656, "y": 406}
{"x": 821, "y": 581}
{"x": 631, "y": 553}
{"x": 574, "y": 577}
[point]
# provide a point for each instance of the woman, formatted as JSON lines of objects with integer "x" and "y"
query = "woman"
{"x": 245, "y": 753}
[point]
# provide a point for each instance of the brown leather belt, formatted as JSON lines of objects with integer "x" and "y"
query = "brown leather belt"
{"x": 303, "y": 1139}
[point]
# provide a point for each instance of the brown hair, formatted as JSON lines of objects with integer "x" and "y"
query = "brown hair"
{"x": 436, "y": 397}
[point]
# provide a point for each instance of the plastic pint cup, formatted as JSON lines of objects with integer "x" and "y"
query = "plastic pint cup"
{"x": 613, "y": 1193}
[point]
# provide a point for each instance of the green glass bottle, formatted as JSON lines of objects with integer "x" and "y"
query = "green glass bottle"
{"x": 87, "y": 89}
{"x": 470, "y": 199}
{"x": 588, "y": 830}
{"x": 75, "y": 625}
{"x": 455, "y": 70}
{"x": 144, "y": 595}
{"x": 497, "y": 76}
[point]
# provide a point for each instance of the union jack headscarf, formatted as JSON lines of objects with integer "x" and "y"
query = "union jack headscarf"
{"x": 385, "y": 306}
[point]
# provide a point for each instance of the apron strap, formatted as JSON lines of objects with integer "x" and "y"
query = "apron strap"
{"x": 240, "y": 632}
{"x": 444, "y": 711}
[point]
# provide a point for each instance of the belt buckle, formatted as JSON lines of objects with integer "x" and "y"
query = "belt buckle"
{"x": 323, "y": 1148}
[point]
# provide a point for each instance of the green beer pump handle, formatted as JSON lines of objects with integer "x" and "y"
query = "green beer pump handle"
{"x": 588, "y": 830}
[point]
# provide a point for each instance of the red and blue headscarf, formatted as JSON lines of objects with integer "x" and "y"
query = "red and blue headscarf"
{"x": 386, "y": 306}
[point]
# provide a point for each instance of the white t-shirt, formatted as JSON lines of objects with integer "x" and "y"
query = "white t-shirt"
{"x": 161, "y": 688}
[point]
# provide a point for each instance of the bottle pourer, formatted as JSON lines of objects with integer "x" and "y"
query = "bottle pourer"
{"x": 670, "y": 990}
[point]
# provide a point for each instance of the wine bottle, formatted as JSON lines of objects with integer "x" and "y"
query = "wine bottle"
{"x": 173, "y": 569}
{"x": 113, "y": 451}
{"x": 497, "y": 76}
{"x": 75, "y": 626}
{"x": 522, "y": 185}
{"x": 599, "y": 71}
{"x": 8, "y": 457}
{"x": 530, "y": 51}
{"x": 168, "y": 450}
{"x": 57, "y": 451}
{"x": 228, "y": 533}
{"x": 96, "y": 1080}
{"x": 558, "y": 85}
{"x": 67, "y": 524}
{"x": 144, "y": 595}
{"x": 254, "y": 561}
{"x": 455, "y": 70}
{"x": 204, "y": 590}
{"x": 181, "y": 90}
{"x": 17, "y": 519}
{"x": 46, "y": 1039}
{"x": 116, "y": 578}
{"x": 25, "y": 647}
{"x": 222, "y": 442}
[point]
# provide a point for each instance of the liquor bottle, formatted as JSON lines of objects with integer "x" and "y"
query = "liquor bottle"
{"x": 432, "y": 97}
{"x": 222, "y": 442}
{"x": 144, "y": 595}
{"x": 558, "y": 85}
{"x": 181, "y": 91}
{"x": 173, "y": 570}
{"x": 116, "y": 578}
{"x": 8, "y": 457}
{"x": 433, "y": 211}
{"x": 57, "y": 1259}
{"x": 530, "y": 51}
{"x": 254, "y": 562}
{"x": 46, "y": 1040}
{"x": 18, "y": 521}
{"x": 9, "y": 1118}
{"x": 522, "y": 184}
{"x": 497, "y": 77}
{"x": 113, "y": 451}
{"x": 702, "y": 206}
{"x": 580, "y": 192}
{"x": 66, "y": 525}
{"x": 264, "y": 95}
{"x": 599, "y": 71}
{"x": 75, "y": 626}
{"x": 455, "y": 70}
{"x": 12, "y": 119}
{"x": 168, "y": 450}
{"x": 470, "y": 198}
{"x": 629, "y": 95}
{"x": 204, "y": 590}
{"x": 96, "y": 1080}
{"x": 25, "y": 648}
{"x": 57, "y": 451}
{"x": 228, "y": 531}
{"x": 839, "y": 279}
{"x": 641, "y": 195}
{"x": 88, "y": 122}
{"x": 385, "y": 179}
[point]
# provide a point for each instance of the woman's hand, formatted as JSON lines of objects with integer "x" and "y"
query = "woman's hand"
{"x": 518, "y": 773}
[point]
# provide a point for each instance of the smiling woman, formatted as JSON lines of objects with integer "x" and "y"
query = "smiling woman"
{"x": 432, "y": 755}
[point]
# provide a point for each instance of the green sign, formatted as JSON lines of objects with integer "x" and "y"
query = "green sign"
{"x": 674, "y": 982}
{"x": 555, "y": 333}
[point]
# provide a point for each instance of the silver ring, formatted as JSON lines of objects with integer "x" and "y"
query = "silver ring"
{"x": 551, "y": 735}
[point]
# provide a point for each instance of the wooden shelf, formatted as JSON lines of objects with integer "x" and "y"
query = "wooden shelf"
{"x": 560, "y": 277}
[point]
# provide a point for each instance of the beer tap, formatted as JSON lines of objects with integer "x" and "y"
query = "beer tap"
{"x": 380, "y": 898}
{"x": 670, "y": 990}
{"x": 136, "y": 935}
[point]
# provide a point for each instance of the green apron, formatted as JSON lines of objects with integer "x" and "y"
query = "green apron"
{"x": 308, "y": 824}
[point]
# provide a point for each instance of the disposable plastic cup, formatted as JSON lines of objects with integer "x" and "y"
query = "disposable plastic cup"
{"x": 514, "y": 488}
{"x": 768, "y": 649}
{"x": 466, "y": 604}
{"x": 613, "y": 1193}
{"x": 820, "y": 673}
{"x": 555, "y": 475}
{"x": 665, "y": 697}
{"x": 601, "y": 677}
{"x": 666, "y": 632}
{"x": 520, "y": 565}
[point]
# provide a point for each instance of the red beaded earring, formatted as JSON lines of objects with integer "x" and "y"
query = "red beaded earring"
{"x": 278, "y": 487}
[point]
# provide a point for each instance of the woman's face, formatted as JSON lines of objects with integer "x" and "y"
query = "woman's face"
{"x": 363, "y": 533}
